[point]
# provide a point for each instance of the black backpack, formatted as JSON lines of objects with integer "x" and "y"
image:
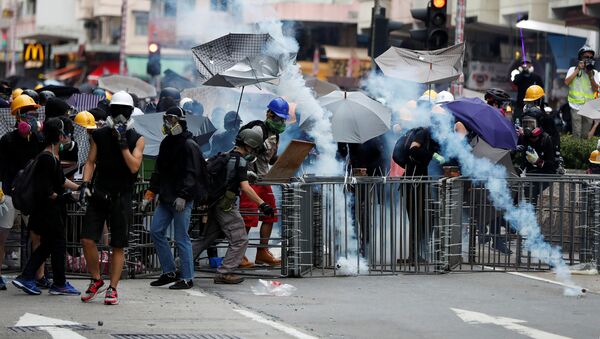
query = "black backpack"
{"x": 23, "y": 194}
{"x": 221, "y": 170}
{"x": 402, "y": 147}
{"x": 202, "y": 181}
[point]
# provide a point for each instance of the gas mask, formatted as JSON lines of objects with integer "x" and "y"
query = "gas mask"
{"x": 120, "y": 117}
{"x": 27, "y": 125}
{"x": 276, "y": 125}
{"x": 171, "y": 125}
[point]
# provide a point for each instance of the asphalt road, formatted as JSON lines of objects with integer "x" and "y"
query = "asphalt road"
{"x": 494, "y": 305}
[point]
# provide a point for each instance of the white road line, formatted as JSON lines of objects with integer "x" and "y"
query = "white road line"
{"x": 533, "y": 277}
{"x": 195, "y": 293}
{"x": 49, "y": 325}
{"x": 281, "y": 327}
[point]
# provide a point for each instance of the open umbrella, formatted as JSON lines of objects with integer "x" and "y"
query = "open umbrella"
{"x": 150, "y": 126}
{"x": 84, "y": 101}
{"x": 591, "y": 109}
{"x": 320, "y": 87}
{"x": 60, "y": 91}
{"x": 498, "y": 156}
{"x": 173, "y": 79}
{"x": 116, "y": 83}
{"x": 356, "y": 118}
{"x": 485, "y": 120}
{"x": 425, "y": 67}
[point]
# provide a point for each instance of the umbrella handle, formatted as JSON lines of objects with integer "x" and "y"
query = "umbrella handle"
{"x": 237, "y": 113}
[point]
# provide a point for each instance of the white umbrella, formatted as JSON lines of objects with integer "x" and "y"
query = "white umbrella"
{"x": 591, "y": 109}
{"x": 116, "y": 83}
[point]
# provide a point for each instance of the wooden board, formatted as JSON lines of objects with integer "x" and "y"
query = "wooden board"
{"x": 289, "y": 162}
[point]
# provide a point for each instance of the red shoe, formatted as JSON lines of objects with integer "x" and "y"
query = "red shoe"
{"x": 96, "y": 286}
{"x": 111, "y": 297}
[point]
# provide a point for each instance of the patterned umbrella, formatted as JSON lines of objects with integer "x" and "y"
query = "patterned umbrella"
{"x": 84, "y": 101}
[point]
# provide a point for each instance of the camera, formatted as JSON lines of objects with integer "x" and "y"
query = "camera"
{"x": 589, "y": 64}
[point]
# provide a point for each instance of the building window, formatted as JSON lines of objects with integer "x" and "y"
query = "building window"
{"x": 141, "y": 23}
{"x": 219, "y": 5}
{"x": 170, "y": 8}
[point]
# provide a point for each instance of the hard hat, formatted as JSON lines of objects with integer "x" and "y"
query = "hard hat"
{"x": 231, "y": 117}
{"x": 16, "y": 92}
{"x": 22, "y": 102}
{"x": 38, "y": 86}
{"x": 496, "y": 94}
{"x": 122, "y": 98}
{"x": 85, "y": 119}
{"x": 280, "y": 107}
{"x": 99, "y": 92}
{"x": 533, "y": 93}
{"x": 45, "y": 95}
{"x": 430, "y": 94}
{"x": 444, "y": 96}
{"x": 32, "y": 94}
{"x": 595, "y": 157}
{"x": 251, "y": 138}
{"x": 585, "y": 48}
{"x": 184, "y": 101}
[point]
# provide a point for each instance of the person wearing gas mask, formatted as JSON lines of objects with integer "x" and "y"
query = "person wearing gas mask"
{"x": 277, "y": 114}
{"x": 225, "y": 140}
{"x": 583, "y": 82}
{"x": 114, "y": 160}
{"x": 17, "y": 148}
{"x": 175, "y": 180}
{"x": 55, "y": 108}
{"x": 47, "y": 217}
{"x": 230, "y": 172}
{"x": 523, "y": 77}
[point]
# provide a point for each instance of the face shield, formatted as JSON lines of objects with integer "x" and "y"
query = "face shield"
{"x": 529, "y": 123}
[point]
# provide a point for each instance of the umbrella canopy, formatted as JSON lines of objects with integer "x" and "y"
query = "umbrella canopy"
{"x": 60, "y": 91}
{"x": 425, "y": 67}
{"x": 498, "y": 156}
{"x": 83, "y": 101}
{"x": 356, "y": 118}
{"x": 116, "y": 83}
{"x": 591, "y": 109}
{"x": 173, "y": 79}
{"x": 320, "y": 87}
{"x": 485, "y": 120}
{"x": 150, "y": 126}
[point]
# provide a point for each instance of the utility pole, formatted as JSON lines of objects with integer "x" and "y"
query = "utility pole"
{"x": 12, "y": 67}
{"x": 459, "y": 37}
{"x": 123, "y": 38}
{"x": 374, "y": 14}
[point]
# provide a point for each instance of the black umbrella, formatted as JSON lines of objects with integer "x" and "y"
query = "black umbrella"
{"x": 173, "y": 79}
{"x": 60, "y": 91}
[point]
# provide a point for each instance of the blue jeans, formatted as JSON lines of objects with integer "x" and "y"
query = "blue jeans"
{"x": 163, "y": 216}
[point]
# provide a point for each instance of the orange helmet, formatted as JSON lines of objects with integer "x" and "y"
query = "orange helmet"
{"x": 22, "y": 102}
{"x": 16, "y": 92}
{"x": 595, "y": 157}
{"x": 533, "y": 93}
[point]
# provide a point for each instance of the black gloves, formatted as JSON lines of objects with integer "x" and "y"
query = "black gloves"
{"x": 120, "y": 133}
{"x": 266, "y": 209}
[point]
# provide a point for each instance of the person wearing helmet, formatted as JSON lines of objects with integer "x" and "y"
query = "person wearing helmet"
{"x": 16, "y": 92}
{"x": 444, "y": 97}
{"x": 86, "y": 120}
{"x": 536, "y": 144}
{"x": 523, "y": 78}
{"x": 55, "y": 108}
{"x": 176, "y": 181}
{"x": 277, "y": 114}
{"x": 225, "y": 140}
{"x": 99, "y": 92}
{"x": 114, "y": 159}
{"x": 45, "y": 96}
{"x": 224, "y": 212}
{"x": 501, "y": 100}
{"x": 583, "y": 82}
{"x": 33, "y": 95}
{"x": 17, "y": 148}
{"x": 594, "y": 159}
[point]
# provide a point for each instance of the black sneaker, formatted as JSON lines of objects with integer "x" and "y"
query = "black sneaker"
{"x": 165, "y": 278}
{"x": 182, "y": 285}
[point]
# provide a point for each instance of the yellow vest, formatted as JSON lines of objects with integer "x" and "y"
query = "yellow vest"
{"x": 580, "y": 90}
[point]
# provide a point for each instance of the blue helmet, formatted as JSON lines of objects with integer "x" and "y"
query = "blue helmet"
{"x": 280, "y": 107}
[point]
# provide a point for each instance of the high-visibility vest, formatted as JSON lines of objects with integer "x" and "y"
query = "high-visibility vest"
{"x": 580, "y": 90}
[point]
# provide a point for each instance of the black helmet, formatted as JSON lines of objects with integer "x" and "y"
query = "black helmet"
{"x": 44, "y": 96}
{"x": 533, "y": 111}
{"x": 585, "y": 48}
{"x": 496, "y": 95}
{"x": 33, "y": 94}
{"x": 232, "y": 120}
{"x": 170, "y": 92}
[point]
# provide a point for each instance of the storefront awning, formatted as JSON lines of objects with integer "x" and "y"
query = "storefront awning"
{"x": 105, "y": 68}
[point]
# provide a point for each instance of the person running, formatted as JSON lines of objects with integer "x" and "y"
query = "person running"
{"x": 175, "y": 179}
{"x": 114, "y": 160}
{"x": 47, "y": 216}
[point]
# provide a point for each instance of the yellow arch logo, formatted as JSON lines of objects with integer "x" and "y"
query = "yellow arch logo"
{"x": 34, "y": 52}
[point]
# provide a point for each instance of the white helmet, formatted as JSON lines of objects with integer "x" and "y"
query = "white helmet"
{"x": 443, "y": 97}
{"x": 121, "y": 98}
{"x": 184, "y": 101}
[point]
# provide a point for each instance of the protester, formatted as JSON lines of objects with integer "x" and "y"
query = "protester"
{"x": 47, "y": 218}
{"x": 224, "y": 141}
{"x": 56, "y": 107}
{"x": 224, "y": 215}
{"x": 583, "y": 82}
{"x": 33, "y": 95}
{"x": 277, "y": 114}
{"x": 594, "y": 159}
{"x": 114, "y": 159}
{"x": 501, "y": 100}
{"x": 175, "y": 180}
{"x": 45, "y": 96}
{"x": 524, "y": 77}
{"x": 99, "y": 116}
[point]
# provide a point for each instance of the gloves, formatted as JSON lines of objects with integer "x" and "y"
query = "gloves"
{"x": 521, "y": 148}
{"x": 119, "y": 132}
{"x": 66, "y": 198}
{"x": 148, "y": 198}
{"x": 252, "y": 177}
{"x": 84, "y": 192}
{"x": 532, "y": 156}
{"x": 439, "y": 158}
{"x": 266, "y": 209}
{"x": 1, "y": 196}
{"x": 179, "y": 204}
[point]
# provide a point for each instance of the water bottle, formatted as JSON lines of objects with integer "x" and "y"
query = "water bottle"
{"x": 517, "y": 123}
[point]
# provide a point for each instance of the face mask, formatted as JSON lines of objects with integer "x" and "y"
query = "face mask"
{"x": 23, "y": 129}
{"x": 275, "y": 126}
{"x": 119, "y": 122}
{"x": 171, "y": 125}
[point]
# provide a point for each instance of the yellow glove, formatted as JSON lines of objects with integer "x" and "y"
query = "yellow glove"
{"x": 1, "y": 196}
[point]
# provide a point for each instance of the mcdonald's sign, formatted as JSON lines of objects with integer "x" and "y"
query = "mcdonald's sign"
{"x": 34, "y": 55}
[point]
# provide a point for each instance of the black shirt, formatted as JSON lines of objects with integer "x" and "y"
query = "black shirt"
{"x": 15, "y": 153}
{"x": 523, "y": 80}
{"x": 49, "y": 178}
{"x": 240, "y": 173}
{"x": 419, "y": 157}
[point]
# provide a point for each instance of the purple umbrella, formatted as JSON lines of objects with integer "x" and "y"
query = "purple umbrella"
{"x": 485, "y": 121}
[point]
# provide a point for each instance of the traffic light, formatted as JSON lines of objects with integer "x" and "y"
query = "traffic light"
{"x": 435, "y": 34}
{"x": 381, "y": 28}
{"x": 153, "y": 67}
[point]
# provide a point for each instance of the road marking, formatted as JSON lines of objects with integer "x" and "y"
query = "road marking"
{"x": 195, "y": 293}
{"x": 281, "y": 327}
{"x": 49, "y": 325}
{"x": 471, "y": 317}
{"x": 533, "y": 277}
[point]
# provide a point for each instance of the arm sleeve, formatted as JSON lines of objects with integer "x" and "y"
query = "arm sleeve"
{"x": 190, "y": 171}
{"x": 570, "y": 71}
{"x": 548, "y": 148}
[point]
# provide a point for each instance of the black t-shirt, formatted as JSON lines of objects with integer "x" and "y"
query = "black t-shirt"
{"x": 240, "y": 173}
{"x": 523, "y": 80}
{"x": 48, "y": 177}
{"x": 15, "y": 153}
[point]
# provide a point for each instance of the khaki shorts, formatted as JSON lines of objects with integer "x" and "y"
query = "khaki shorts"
{"x": 8, "y": 219}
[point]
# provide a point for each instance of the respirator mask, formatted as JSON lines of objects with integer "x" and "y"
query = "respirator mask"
{"x": 28, "y": 124}
{"x": 120, "y": 117}
{"x": 171, "y": 125}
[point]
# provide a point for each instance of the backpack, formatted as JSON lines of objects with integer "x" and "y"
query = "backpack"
{"x": 401, "y": 151}
{"x": 201, "y": 188}
{"x": 23, "y": 194}
{"x": 220, "y": 169}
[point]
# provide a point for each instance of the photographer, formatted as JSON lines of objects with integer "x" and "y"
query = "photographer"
{"x": 583, "y": 83}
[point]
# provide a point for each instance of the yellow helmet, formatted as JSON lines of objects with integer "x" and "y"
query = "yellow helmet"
{"x": 38, "y": 86}
{"x": 85, "y": 119}
{"x": 533, "y": 93}
{"x": 430, "y": 94}
{"x": 22, "y": 102}
{"x": 595, "y": 157}
{"x": 16, "y": 92}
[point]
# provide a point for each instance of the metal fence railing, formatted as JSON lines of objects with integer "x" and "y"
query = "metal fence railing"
{"x": 407, "y": 224}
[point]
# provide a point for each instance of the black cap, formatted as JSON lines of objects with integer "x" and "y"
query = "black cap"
{"x": 56, "y": 107}
{"x": 176, "y": 111}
